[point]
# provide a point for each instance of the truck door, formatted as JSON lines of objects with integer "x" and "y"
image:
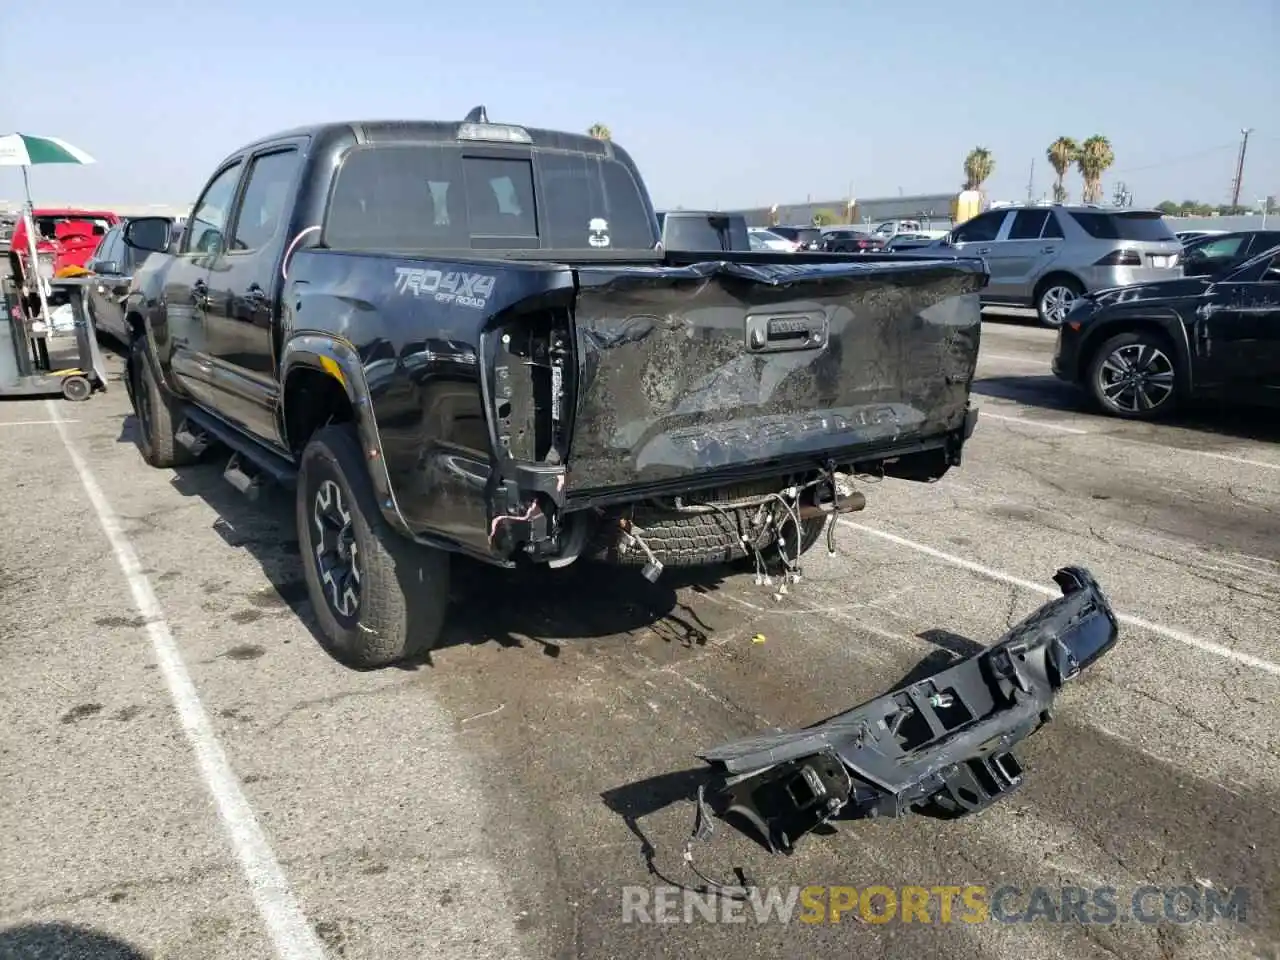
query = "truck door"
{"x": 186, "y": 285}
{"x": 243, "y": 288}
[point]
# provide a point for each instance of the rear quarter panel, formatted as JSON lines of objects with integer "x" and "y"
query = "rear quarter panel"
{"x": 412, "y": 330}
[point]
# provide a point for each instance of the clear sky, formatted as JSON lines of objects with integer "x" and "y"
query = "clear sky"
{"x": 728, "y": 104}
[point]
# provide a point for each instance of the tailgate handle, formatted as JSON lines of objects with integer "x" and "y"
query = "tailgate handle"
{"x": 775, "y": 332}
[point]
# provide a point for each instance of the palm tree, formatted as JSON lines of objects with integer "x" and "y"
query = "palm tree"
{"x": 1062, "y": 153}
{"x": 977, "y": 168}
{"x": 1095, "y": 157}
{"x": 599, "y": 131}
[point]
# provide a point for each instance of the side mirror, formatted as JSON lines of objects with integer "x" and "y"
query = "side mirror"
{"x": 148, "y": 233}
{"x": 106, "y": 267}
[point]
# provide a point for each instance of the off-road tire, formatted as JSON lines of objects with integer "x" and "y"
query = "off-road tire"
{"x": 1106, "y": 349}
{"x": 158, "y": 413}
{"x": 404, "y": 587}
{"x": 698, "y": 539}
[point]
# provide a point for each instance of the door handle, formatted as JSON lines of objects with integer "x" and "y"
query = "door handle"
{"x": 256, "y": 296}
{"x": 1048, "y": 249}
{"x": 984, "y": 249}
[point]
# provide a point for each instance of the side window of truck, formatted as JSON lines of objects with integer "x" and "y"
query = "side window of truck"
{"x": 265, "y": 199}
{"x": 205, "y": 228}
{"x": 398, "y": 197}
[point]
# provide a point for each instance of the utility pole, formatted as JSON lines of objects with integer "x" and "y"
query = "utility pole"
{"x": 1235, "y": 187}
{"x": 1031, "y": 182}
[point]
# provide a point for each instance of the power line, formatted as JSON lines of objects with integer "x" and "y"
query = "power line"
{"x": 1176, "y": 160}
{"x": 1235, "y": 145}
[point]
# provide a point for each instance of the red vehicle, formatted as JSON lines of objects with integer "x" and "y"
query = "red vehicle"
{"x": 65, "y": 237}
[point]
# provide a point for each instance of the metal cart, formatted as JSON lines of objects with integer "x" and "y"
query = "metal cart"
{"x": 44, "y": 356}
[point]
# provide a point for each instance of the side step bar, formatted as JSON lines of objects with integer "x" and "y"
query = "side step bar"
{"x": 251, "y": 462}
{"x": 242, "y": 476}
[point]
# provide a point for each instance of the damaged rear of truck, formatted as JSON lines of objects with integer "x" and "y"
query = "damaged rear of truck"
{"x": 566, "y": 389}
{"x": 465, "y": 339}
{"x": 655, "y": 413}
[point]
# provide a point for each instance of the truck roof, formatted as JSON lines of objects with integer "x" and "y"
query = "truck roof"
{"x": 441, "y": 131}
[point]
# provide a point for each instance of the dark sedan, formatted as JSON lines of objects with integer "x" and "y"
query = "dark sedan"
{"x": 848, "y": 240}
{"x": 1142, "y": 349}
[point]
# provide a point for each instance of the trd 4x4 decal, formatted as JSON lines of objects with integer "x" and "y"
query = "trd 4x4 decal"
{"x": 464, "y": 289}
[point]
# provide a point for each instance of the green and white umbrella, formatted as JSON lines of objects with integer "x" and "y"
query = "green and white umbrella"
{"x": 26, "y": 150}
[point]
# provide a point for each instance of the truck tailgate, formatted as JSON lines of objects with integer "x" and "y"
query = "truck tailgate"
{"x": 691, "y": 370}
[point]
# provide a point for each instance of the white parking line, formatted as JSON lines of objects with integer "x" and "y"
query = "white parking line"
{"x": 984, "y": 413}
{"x": 286, "y": 923}
{"x": 1011, "y": 359}
{"x": 31, "y": 423}
{"x": 1205, "y": 453}
{"x": 1169, "y": 633}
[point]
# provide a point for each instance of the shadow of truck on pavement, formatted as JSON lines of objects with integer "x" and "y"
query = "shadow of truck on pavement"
{"x": 509, "y": 607}
{"x": 63, "y": 941}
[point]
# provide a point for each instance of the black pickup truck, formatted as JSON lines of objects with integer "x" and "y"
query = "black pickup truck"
{"x": 466, "y": 338}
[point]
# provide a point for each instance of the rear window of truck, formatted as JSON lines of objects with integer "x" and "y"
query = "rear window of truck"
{"x": 420, "y": 197}
{"x": 1124, "y": 226}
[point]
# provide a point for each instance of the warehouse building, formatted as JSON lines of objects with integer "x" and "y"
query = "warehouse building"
{"x": 938, "y": 208}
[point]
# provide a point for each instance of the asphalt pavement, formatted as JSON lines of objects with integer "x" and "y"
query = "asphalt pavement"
{"x": 184, "y": 773}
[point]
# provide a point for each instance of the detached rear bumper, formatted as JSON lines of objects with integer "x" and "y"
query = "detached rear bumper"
{"x": 942, "y": 743}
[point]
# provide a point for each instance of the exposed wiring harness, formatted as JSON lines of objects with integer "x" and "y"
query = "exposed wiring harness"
{"x": 768, "y": 517}
{"x": 703, "y": 828}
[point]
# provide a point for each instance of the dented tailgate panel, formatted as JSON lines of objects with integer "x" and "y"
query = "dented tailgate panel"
{"x": 718, "y": 365}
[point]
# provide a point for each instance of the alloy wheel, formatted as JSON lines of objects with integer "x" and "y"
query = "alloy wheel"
{"x": 1136, "y": 378}
{"x": 336, "y": 552}
{"x": 1055, "y": 303}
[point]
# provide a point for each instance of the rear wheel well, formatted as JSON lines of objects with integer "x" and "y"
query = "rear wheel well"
{"x": 312, "y": 399}
{"x": 1055, "y": 277}
{"x": 1149, "y": 325}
